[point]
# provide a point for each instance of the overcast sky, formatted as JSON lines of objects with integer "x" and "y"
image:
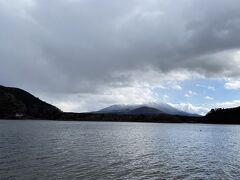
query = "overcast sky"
{"x": 83, "y": 55}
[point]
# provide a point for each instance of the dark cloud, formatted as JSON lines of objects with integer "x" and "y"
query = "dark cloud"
{"x": 82, "y": 45}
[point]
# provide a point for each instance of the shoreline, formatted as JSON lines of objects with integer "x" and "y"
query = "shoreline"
{"x": 84, "y": 117}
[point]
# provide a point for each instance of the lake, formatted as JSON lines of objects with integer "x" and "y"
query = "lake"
{"x": 107, "y": 150}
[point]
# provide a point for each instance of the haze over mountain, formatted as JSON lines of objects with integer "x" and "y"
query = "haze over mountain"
{"x": 154, "y": 108}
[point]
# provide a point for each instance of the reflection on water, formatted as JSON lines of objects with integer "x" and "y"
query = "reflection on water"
{"x": 106, "y": 150}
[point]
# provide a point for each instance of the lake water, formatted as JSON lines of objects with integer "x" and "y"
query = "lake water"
{"x": 107, "y": 150}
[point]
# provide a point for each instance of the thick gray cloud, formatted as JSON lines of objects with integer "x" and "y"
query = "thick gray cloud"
{"x": 81, "y": 46}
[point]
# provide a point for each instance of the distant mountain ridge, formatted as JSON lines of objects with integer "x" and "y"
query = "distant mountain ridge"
{"x": 160, "y": 108}
{"x": 16, "y": 103}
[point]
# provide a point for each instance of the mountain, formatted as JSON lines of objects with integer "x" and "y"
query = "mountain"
{"x": 220, "y": 115}
{"x": 161, "y": 107}
{"x": 17, "y": 103}
{"x": 119, "y": 108}
{"x": 144, "y": 110}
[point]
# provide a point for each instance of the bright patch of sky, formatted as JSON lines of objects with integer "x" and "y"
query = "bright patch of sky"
{"x": 209, "y": 93}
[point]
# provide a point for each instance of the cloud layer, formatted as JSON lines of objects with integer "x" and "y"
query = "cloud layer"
{"x": 92, "y": 47}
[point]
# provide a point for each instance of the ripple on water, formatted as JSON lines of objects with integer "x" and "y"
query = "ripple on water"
{"x": 91, "y": 150}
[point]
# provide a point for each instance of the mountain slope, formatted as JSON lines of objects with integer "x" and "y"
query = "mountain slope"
{"x": 229, "y": 115}
{"x": 168, "y": 109}
{"x": 145, "y": 111}
{"x": 119, "y": 108}
{"x": 15, "y": 102}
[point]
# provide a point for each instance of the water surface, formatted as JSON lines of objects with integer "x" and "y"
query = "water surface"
{"x": 107, "y": 150}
